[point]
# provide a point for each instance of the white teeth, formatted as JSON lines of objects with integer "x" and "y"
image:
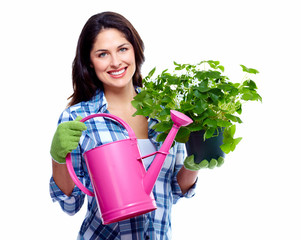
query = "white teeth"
{"x": 117, "y": 73}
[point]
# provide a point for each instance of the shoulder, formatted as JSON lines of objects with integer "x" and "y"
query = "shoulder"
{"x": 96, "y": 104}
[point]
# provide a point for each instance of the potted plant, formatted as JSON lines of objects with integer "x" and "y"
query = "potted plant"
{"x": 208, "y": 97}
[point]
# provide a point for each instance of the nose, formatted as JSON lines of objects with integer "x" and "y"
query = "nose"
{"x": 115, "y": 61}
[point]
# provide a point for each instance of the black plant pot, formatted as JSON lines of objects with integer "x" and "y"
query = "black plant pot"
{"x": 204, "y": 150}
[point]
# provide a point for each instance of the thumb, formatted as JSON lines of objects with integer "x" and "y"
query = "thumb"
{"x": 77, "y": 125}
{"x": 78, "y": 118}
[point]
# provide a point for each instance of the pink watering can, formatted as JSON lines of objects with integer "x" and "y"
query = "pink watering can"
{"x": 121, "y": 185}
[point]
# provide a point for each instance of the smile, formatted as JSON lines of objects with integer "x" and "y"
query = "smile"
{"x": 118, "y": 73}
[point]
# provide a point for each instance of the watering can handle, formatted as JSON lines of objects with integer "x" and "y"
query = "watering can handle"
{"x": 68, "y": 157}
{"x": 75, "y": 178}
{"x": 123, "y": 123}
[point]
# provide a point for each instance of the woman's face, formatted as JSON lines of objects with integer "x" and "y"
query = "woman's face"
{"x": 113, "y": 59}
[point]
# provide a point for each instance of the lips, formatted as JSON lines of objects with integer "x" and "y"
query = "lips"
{"x": 118, "y": 73}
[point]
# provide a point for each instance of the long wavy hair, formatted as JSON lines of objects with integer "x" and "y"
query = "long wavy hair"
{"x": 84, "y": 79}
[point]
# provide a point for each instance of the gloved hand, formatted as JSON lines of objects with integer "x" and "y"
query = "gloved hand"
{"x": 66, "y": 139}
{"x": 192, "y": 166}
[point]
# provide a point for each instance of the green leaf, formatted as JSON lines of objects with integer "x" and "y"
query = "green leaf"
{"x": 140, "y": 111}
{"x": 238, "y": 107}
{"x": 213, "y": 74}
{"x": 172, "y": 80}
{"x": 176, "y": 64}
{"x": 226, "y": 147}
{"x": 146, "y": 111}
{"x": 229, "y": 142}
{"x": 161, "y": 137}
{"x": 213, "y": 97}
{"x": 195, "y": 126}
{"x": 223, "y": 123}
{"x": 162, "y": 126}
{"x": 247, "y": 96}
{"x": 235, "y": 142}
{"x": 179, "y": 66}
{"x": 250, "y": 83}
{"x": 222, "y": 68}
{"x": 209, "y": 133}
{"x": 165, "y": 112}
{"x": 203, "y": 86}
{"x": 187, "y": 107}
{"x": 166, "y": 99}
{"x": 200, "y": 106}
{"x": 233, "y": 118}
{"x": 259, "y": 98}
{"x": 203, "y": 75}
{"x": 210, "y": 113}
{"x": 151, "y": 73}
{"x": 183, "y": 135}
{"x": 140, "y": 96}
{"x": 232, "y": 130}
{"x": 249, "y": 70}
{"x": 197, "y": 94}
{"x": 213, "y": 64}
{"x": 229, "y": 133}
{"x": 135, "y": 104}
{"x": 210, "y": 123}
{"x": 148, "y": 102}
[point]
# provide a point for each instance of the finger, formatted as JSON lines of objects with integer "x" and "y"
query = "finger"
{"x": 75, "y": 125}
{"x": 204, "y": 164}
{"x": 220, "y": 161}
{"x": 72, "y": 146}
{"x": 78, "y": 118}
{"x": 69, "y": 140}
{"x": 72, "y": 143}
{"x": 213, "y": 163}
{"x": 190, "y": 164}
{"x": 74, "y": 133}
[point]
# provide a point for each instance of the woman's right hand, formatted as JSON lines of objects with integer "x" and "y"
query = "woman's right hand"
{"x": 66, "y": 139}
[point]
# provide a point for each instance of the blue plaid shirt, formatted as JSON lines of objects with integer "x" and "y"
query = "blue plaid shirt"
{"x": 153, "y": 225}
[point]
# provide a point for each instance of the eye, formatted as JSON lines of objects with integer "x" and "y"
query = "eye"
{"x": 102, "y": 55}
{"x": 123, "y": 49}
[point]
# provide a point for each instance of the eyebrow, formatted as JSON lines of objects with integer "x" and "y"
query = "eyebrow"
{"x": 104, "y": 50}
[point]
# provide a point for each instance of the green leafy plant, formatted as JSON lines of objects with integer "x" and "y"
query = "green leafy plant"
{"x": 201, "y": 92}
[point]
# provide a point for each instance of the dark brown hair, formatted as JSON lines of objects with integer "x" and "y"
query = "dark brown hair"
{"x": 84, "y": 79}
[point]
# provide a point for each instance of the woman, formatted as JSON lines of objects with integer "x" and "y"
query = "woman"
{"x": 106, "y": 76}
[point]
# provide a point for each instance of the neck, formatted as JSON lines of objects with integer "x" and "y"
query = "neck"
{"x": 120, "y": 98}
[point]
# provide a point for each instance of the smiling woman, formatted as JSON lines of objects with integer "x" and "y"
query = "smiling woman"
{"x": 106, "y": 77}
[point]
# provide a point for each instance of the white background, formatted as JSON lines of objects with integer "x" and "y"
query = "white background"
{"x": 255, "y": 195}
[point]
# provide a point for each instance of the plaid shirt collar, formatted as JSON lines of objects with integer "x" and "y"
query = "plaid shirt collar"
{"x": 98, "y": 104}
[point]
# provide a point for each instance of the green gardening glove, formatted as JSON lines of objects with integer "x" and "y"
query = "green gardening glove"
{"x": 66, "y": 139}
{"x": 192, "y": 166}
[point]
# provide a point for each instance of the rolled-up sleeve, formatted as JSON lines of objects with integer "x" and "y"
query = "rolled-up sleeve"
{"x": 69, "y": 204}
{"x": 177, "y": 192}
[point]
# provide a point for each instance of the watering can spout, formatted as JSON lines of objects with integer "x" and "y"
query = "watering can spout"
{"x": 179, "y": 119}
